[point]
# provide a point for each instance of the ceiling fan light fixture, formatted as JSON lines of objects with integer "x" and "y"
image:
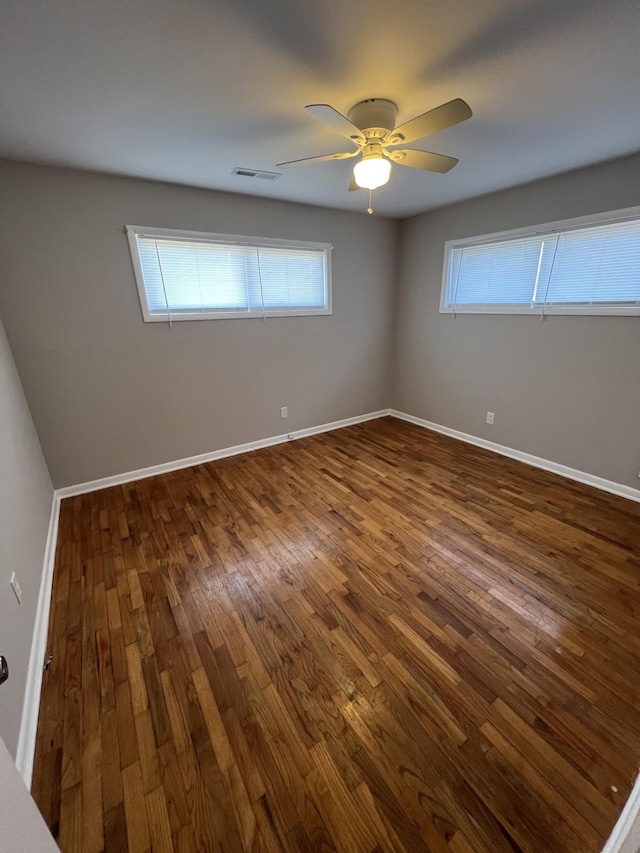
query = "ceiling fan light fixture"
{"x": 372, "y": 172}
{"x": 371, "y": 128}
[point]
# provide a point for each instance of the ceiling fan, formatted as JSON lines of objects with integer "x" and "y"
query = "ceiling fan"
{"x": 371, "y": 128}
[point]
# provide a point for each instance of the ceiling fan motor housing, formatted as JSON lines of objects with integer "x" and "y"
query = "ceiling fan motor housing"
{"x": 371, "y": 127}
{"x": 373, "y": 151}
{"x": 376, "y": 116}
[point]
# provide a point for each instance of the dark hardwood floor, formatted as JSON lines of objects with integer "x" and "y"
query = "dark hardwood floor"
{"x": 375, "y": 639}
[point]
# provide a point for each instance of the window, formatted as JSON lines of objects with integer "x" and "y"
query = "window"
{"x": 582, "y": 266}
{"x": 182, "y": 275}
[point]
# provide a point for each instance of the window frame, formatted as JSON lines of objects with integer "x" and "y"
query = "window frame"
{"x": 134, "y": 231}
{"x": 561, "y": 225}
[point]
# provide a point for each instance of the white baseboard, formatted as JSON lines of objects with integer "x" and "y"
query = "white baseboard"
{"x": 625, "y": 837}
{"x": 190, "y": 461}
{"x": 25, "y": 752}
{"x": 29, "y": 724}
{"x": 536, "y": 461}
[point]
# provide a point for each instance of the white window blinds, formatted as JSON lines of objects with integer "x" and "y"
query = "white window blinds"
{"x": 184, "y": 277}
{"x": 592, "y": 268}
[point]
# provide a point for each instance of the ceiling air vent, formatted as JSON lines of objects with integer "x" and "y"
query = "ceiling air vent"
{"x": 257, "y": 173}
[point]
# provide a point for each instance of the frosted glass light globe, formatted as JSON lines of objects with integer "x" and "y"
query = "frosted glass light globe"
{"x": 372, "y": 173}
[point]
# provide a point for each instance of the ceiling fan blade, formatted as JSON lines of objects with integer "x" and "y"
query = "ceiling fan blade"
{"x": 343, "y": 155}
{"x": 353, "y": 186}
{"x": 423, "y": 160}
{"x": 432, "y": 122}
{"x": 336, "y": 121}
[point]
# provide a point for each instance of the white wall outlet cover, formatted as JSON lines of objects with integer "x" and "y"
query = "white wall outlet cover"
{"x": 284, "y": 412}
{"x": 17, "y": 589}
{"x": 490, "y": 417}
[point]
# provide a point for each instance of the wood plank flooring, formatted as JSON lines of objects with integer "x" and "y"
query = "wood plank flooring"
{"x": 375, "y": 639}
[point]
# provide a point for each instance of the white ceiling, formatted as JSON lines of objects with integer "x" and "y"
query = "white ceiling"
{"x": 186, "y": 90}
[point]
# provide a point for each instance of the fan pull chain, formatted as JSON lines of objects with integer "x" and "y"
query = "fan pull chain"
{"x": 369, "y": 209}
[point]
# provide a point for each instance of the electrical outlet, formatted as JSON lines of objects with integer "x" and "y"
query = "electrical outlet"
{"x": 17, "y": 589}
{"x": 490, "y": 417}
{"x": 284, "y": 412}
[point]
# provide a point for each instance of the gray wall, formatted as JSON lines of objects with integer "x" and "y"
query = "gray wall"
{"x": 566, "y": 389}
{"x": 25, "y": 507}
{"x": 110, "y": 393}
{"x": 22, "y": 827}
